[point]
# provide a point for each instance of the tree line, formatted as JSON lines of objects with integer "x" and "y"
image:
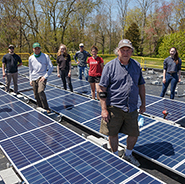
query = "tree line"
{"x": 152, "y": 25}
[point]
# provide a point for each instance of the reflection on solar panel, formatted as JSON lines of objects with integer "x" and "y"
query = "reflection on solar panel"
{"x": 85, "y": 163}
{"x": 164, "y": 144}
{"x": 83, "y": 112}
{"x": 12, "y": 109}
{"x": 66, "y": 102}
{"x": 6, "y": 98}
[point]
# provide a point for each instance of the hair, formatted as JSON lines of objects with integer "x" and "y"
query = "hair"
{"x": 176, "y": 56}
{"x": 59, "y": 50}
{"x": 94, "y": 47}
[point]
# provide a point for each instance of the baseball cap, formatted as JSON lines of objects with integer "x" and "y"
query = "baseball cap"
{"x": 81, "y": 45}
{"x": 125, "y": 43}
{"x": 36, "y": 45}
{"x": 10, "y": 46}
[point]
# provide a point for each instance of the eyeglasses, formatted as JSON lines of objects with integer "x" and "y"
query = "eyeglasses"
{"x": 11, "y": 47}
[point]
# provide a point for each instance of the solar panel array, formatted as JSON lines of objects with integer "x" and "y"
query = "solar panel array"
{"x": 88, "y": 112}
{"x": 44, "y": 151}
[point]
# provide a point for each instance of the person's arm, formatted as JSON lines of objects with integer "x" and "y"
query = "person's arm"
{"x": 142, "y": 97}
{"x": 50, "y": 66}
{"x": 30, "y": 71}
{"x": 75, "y": 56}
{"x": 3, "y": 69}
{"x": 179, "y": 75}
{"x": 58, "y": 73}
{"x": 164, "y": 76}
{"x": 69, "y": 73}
{"x": 20, "y": 62}
{"x": 104, "y": 112}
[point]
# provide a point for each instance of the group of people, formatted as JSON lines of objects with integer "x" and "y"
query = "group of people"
{"x": 95, "y": 63}
{"x": 118, "y": 85}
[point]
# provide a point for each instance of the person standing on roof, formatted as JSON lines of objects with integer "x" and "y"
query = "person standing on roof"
{"x": 96, "y": 64}
{"x": 64, "y": 66}
{"x": 172, "y": 68}
{"x": 120, "y": 84}
{"x": 11, "y": 61}
{"x": 40, "y": 67}
{"x": 80, "y": 58}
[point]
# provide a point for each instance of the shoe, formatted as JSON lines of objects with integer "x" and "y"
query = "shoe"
{"x": 131, "y": 159}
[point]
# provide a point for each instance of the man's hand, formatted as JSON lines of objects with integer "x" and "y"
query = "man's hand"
{"x": 4, "y": 74}
{"x": 31, "y": 83}
{"x": 58, "y": 75}
{"x": 77, "y": 62}
{"x": 69, "y": 74}
{"x": 105, "y": 115}
{"x": 142, "y": 109}
{"x": 42, "y": 79}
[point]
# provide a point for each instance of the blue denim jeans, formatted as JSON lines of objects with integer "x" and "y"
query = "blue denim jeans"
{"x": 173, "y": 78}
{"x": 85, "y": 72}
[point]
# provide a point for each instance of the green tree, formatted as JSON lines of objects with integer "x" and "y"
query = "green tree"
{"x": 173, "y": 40}
{"x": 133, "y": 34}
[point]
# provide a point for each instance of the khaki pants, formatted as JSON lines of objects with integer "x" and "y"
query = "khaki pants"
{"x": 38, "y": 90}
{"x": 8, "y": 81}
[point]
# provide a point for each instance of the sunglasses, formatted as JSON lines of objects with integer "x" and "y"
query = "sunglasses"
{"x": 11, "y": 47}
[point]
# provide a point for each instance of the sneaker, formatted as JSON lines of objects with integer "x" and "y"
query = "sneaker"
{"x": 131, "y": 159}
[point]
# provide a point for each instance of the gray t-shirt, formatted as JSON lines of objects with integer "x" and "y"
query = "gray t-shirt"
{"x": 170, "y": 66}
{"x": 122, "y": 84}
{"x": 82, "y": 57}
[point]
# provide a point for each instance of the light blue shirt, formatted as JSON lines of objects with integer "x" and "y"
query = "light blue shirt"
{"x": 40, "y": 66}
{"x": 122, "y": 84}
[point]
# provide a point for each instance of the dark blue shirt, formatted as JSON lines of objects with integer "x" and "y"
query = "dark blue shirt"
{"x": 122, "y": 84}
{"x": 11, "y": 61}
{"x": 170, "y": 66}
{"x": 82, "y": 57}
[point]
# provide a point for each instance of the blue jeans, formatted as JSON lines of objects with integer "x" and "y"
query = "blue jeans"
{"x": 173, "y": 78}
{"x": 85, "y": 72}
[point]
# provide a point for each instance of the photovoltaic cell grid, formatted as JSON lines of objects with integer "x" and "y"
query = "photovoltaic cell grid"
{"x": 12, "y": 126}
{"x": 13, "y": 108}
{"x": 155, "y": 106}
{"x": 86, "y": 163}
{"x": 84, "y": 112}
{"x": 66, "y": 102}
{"x": 164, "y": 144}
{"x": 35, "y": 145}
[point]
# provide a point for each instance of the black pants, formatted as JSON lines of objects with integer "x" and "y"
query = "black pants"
{"x": 64, "y": 77}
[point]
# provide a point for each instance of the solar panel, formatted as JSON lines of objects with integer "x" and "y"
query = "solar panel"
{"x": 35, "y": 145}
{"x": 66, "y": 102}
{"x": 156, "y": 105}
{"x": 13, "y": 108}
{"x": 2, "y": 92}
{"x": 12, "y": 126}
{"x": 83, "y": 112}
{"x": 162, "y": 143}
{"x": 85, "y": 163}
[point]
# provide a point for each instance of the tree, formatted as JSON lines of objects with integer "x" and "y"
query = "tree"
{"x": 122, "y": 8}
{"x": 133, "y": 34}
{"x": 145, "y": 5}
{"x": 173, "y": 40}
